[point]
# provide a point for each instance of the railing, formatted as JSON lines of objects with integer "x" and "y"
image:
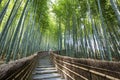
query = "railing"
{"x": 20, "y": 69}
{"x": 81, "y": 69}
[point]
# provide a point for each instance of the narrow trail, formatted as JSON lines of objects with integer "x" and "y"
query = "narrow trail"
{"x": 46, "y": 70}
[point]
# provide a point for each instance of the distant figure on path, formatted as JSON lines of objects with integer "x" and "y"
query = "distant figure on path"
{"x": 50, "y": 50}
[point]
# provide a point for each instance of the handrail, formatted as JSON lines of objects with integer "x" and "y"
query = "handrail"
{"x": 20, "y": 69}
{"x": 75, "y": 69}
{"x": 17, "y": 69}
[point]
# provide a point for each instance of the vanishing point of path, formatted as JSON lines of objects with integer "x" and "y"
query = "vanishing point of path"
{"x": 46, "y": 70}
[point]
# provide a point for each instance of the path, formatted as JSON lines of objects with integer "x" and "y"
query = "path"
{"x": 45, "y": 70}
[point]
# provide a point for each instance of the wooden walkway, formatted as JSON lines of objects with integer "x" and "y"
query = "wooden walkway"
{"x": 45, "y": 70}
{"x": 69, "y": 68}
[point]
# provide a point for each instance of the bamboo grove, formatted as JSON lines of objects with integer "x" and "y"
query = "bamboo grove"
{"x": 89, "y": 28}
{"x": 21, "y": 27}
{"x": 77, "y": 28}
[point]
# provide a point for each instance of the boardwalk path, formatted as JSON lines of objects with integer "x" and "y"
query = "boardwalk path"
{"x": 45, "y": 70}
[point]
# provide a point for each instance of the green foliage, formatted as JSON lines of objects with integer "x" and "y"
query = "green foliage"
{"x": 87, "y": 27}
{"x": 83, "y": 28}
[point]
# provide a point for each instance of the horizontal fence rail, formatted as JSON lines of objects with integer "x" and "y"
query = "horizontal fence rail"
{"x": 86, "y": 69}
{"x": 20, "y": 69}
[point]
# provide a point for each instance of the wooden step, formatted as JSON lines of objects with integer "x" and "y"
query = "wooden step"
{"x": 51, "y": 79}
{"x": 46, "y": 72}
{"x": 46, "y": 76}
{"x": 49, "y": 68}
{"x": 44, "y": 66}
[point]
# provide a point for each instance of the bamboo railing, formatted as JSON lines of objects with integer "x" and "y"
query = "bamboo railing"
{"x": 86, "y": 69}
{"x": 18, "y": 70}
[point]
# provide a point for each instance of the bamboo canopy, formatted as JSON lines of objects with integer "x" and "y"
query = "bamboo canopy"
{"x": 76, "y": 28}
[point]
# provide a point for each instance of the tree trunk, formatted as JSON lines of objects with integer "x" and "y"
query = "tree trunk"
{"x": 116, "y": 10}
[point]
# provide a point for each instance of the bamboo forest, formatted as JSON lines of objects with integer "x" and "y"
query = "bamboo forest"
{"x": 79, "y": 38}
